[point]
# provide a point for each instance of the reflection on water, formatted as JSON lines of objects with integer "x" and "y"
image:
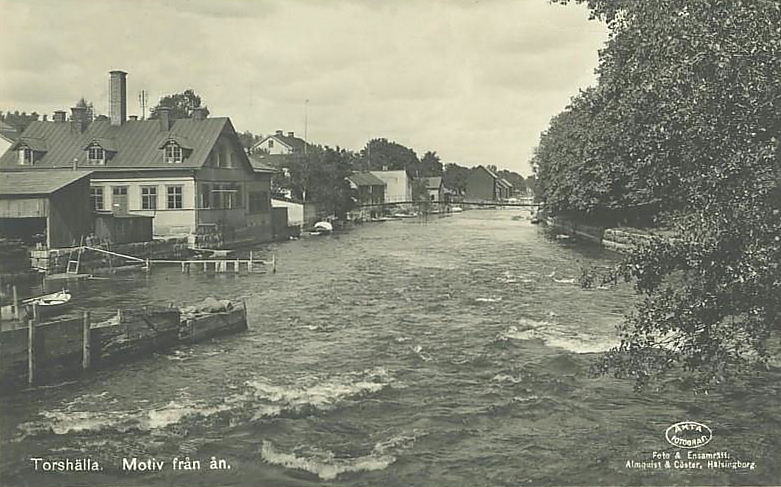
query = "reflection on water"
{"x": 454, "y": 352}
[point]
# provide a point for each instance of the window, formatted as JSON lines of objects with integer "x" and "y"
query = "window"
{"x": 26, "y": 156}
{"x": 96, "y": 155}
{"x": 174, "y": 194}
{"x": 206, "y": 196}
{"x": 271, "y": 144}
{"x": 96, "y": 197}
{"x": 148, "y": 197}
{"x": 173, "y": 153}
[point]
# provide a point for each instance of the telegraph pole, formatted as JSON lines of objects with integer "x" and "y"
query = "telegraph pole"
{"x": 306, "y": 124}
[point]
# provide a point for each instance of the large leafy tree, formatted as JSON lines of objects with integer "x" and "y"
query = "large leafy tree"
{"x": 454, "y": 177}
{"x": 382, "y": 154}
{"x": 684, "y": 125}
{"x": 181, "y": 104}
{"x": 430, "y": 165}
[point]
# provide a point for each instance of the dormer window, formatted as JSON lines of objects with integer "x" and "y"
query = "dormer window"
{"x": 27, "y": 156}
{"x": 100, "y": 150}
{"x": 173, "y": 153}
{"x": 96, "y": 155}
{"x": 30, "y": 150}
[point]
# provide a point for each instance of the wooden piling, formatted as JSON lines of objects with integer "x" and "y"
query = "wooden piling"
{"x": 86, "y": 356}
{"x": 31, "y": 358}
{"x": 16, "y": 303}
{"x": 274, "y": 263}
{"x": 236, "y": 270}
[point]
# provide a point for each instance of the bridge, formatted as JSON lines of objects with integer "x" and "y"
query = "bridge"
{"x": 451, "y": 204}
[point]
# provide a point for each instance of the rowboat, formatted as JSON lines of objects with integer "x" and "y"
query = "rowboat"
{"x": 49, "y": 304}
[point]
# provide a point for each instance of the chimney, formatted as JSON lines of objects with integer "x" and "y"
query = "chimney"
{"x": 132, "y": 117}
{"x": 199, "y": 113}
{"x": 59, "y": 116}
{"x": 279, "y": 132}
{"x": 291, "y": 134}
{"x": 45, "y": 117}
{"x": 164, "y": 115}
{"x": 117, "y": 97}
{"x": 79, "y": 118}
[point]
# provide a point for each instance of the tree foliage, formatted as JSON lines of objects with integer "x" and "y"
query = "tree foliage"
{"x": 454, "y": 177}
{"x": 683, "y": 129}
{"x": 384, "y": 155}
{"x": 181, "y": 104}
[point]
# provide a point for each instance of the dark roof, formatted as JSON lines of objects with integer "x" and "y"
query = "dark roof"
{"x": 136, "y": 142}
{"x": 258, "y": 165}
{"x": 433, "y": 182}
{"x": 8, "y": 131}
{"x": 365, "y": 179}
{"x": 35, "y": 143}
{"x": 296, "y": 144}
{"x": 37, "y": 182}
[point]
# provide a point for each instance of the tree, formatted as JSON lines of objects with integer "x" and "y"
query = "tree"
{"x": 248, "y": 140}
{"x": 454, "y": 177}
{"x": 181, "y": 104}
{"x": 684, "y": 123}
{"x": 383, "y": 155}
{"x": 430, "y": 165}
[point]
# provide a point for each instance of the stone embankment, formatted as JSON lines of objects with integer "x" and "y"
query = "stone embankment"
{"x": 616, "y": 239}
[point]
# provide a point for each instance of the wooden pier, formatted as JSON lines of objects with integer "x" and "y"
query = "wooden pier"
{"x": 235, "y": 266}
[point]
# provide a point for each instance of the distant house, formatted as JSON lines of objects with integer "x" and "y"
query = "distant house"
{"x": 280, "y": 144}
{"x": 483, "y": 184}
{"x": 398, "y": 185}
{"x": 191, "y": 175}
{"x": 369, "y": 189}
{"x": 8, "y": 136}
{"x": 435, "y": 189}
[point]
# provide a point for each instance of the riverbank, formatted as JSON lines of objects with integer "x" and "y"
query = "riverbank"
{"x": 617, "y": 239}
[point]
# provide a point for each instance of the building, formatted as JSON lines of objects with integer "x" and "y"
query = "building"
{"x": 369, "y": 189}
{"x": 435, "y": 189}
{"x": 191, "y": 175}
{"x": 369, "y": 193}
{"x": 280, "y": 144}
{"x": 8, "y": 136}
{"x": 398, "y": 185}
{"x": 46, "y": 207}
{"x": 482, "y": 184}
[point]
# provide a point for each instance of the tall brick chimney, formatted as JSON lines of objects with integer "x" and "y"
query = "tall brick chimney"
{"x": 117, "y": 97}
{"x": 199, "y": 113}
{"x": 164, "y": 115}
{"x": 79, "y": 118}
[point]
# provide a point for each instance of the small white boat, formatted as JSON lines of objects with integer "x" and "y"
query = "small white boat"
{"x": 321, "y": 228}
{"x": 49, "y": 304}
{"x": 456, "y": 209}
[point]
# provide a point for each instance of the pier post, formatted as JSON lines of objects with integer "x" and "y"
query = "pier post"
{"x": 274, "y": 263}
{"x": 16, "y": 303}
{"x": 31, "y": 359}
{"x": 249, "y": 262}
{"x": 236, "y": 270}
{"x": 182, "y": 267}
{"x": 85, "y": 345}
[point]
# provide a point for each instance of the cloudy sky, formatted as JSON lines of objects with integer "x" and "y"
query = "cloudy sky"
{"x": 475, "y": 81}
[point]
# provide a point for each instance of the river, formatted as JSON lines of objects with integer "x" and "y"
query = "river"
{"x": 448, "y": 352}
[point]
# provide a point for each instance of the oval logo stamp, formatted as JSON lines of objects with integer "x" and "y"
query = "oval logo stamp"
{"x": 688, "y": 434}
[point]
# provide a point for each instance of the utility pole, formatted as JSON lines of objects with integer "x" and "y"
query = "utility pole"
{"x": 306, "y": 124}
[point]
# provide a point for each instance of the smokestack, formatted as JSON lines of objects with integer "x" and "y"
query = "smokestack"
{"x": 164, "y": 115}
{"x": 79, "y": 118}
{"x": 117, "y": 97}
{"x": 199, "y": 113}
{"x": 59, "y": 116}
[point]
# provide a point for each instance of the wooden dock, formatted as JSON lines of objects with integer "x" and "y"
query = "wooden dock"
{"x": 216, "y": 265}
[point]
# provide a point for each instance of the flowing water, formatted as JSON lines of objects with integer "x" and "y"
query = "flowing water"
{"x": 453, "y": 352}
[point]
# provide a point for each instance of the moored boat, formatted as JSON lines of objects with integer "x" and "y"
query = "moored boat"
{"x": 49, "y": 304}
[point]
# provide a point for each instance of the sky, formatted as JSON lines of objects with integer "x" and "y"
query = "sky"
{"x": 474, "y": 81}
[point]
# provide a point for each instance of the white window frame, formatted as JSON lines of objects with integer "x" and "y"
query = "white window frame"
{"x": 173, "y": 153}
{"x": 96, "y": 192}
{"x": 149, "y": 193}
{"x": 170, "y": 192}
{"x": 96, "y": 154}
